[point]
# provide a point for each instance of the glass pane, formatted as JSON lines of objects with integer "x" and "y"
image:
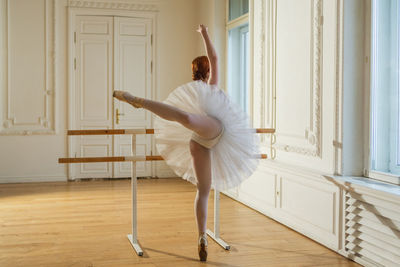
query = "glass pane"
{"x": 385, "y": 136}
{"x": 238, "y": 8}
{"x": 238, "y": 66}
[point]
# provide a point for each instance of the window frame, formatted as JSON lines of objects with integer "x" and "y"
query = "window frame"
{"x": 394, "y": 124}
{"x": 245, "y": 67}
{"x": 229, "y": 25}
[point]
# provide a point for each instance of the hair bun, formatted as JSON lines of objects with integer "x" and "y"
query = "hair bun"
{"x": 198, "y": 75}
{"x": 200, "y": 68}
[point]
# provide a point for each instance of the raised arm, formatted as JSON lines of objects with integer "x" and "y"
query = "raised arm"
{"x": 211, "y": 54}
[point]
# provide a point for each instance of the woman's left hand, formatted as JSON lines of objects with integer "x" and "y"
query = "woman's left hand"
{"x": 202, "y": 28}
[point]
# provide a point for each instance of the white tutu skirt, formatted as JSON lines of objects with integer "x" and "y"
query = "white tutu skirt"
{"x": 232, "y": 158}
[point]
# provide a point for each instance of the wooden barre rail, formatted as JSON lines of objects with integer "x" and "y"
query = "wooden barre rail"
{"x": 108, "y": 159}
{"x": 106, "y": 132}
{"x": 130, "y": 158}
{"x": 138, "y": 131}
{"x": 265, "y": 130}
{"x": 117, "y": 159}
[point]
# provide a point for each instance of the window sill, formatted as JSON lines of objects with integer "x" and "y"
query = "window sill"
{"x": 383, "y": 176}
{"x": 365, "y": 182}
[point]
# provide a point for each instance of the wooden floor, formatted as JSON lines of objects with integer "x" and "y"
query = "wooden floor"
{"x": 86, "y": 223}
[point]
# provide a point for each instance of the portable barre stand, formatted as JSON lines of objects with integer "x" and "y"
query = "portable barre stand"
{"x": 133, "y": 238}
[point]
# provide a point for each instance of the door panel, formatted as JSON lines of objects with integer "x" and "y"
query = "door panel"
{"x": 93, "y": 103}
{"x": 128, "y": 26}
{"x": 93, "y": 150}
{"x": 132, "y": 72}
{"x": 95, "y": 25}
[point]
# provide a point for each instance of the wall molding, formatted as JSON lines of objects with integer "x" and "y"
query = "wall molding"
{"x": 45, "y": 124}
{"x": 338, "y": 88}
{"x": 313, "y": 133}
{"x": 263, "y": 66}
{"x": 112, "y": 5}
{"x": 259, "y": 64}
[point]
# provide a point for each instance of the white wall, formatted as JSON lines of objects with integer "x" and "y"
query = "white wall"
{"x": 177, "y": 44}
{"x": 28, "y": 156}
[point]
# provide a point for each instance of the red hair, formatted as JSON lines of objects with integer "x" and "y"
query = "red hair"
{"x": 200, "y": 68}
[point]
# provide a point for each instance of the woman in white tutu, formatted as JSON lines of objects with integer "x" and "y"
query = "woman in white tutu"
{"x": 202, "y": 135}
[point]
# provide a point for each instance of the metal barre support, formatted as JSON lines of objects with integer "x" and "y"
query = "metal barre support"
{"x": 133, "y": 238}
{"x": 215, "y": 235}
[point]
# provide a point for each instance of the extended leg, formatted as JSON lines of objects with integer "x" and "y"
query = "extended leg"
{"x": 204, "y": 126}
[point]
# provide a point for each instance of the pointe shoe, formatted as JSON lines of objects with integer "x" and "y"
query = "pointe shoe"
{"x": 137, "y": 102}
{"x": 202, "y": 248}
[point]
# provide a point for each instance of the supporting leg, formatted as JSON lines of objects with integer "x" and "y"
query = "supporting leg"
{"x": 202, "y": 168}
{"x": 133, "y": 237}
{"x": 215, "y": 235}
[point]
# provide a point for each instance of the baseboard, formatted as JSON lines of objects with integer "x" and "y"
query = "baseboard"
{"x": 33, "y": 179}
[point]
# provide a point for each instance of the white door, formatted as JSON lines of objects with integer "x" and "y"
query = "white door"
{"x": 93, "y": 87}
{"x": 110, "y": 52}
{"x": 132, "y": 72}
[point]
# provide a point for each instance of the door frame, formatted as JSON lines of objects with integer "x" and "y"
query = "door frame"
{"x": 73, "y": 12}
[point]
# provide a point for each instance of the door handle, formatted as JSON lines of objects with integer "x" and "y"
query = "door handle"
{"x": 117, "y": 115}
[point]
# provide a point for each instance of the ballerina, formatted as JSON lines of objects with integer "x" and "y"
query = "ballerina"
{"x": 202, "y": 135}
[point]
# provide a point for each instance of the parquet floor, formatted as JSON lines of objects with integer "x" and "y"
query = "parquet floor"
{"x": 86, "y": 223}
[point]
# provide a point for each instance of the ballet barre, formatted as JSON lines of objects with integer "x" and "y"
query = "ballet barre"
{"x": 133, "y": 238}
{"x": 109, "y": 159}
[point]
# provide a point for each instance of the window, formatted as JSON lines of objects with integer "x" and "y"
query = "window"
{"x": 385, "y": 90}
{"x": 238, "y": 8}
{"x": 238, "y": 53}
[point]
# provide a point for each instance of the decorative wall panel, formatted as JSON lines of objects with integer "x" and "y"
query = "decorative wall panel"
{"x": 298, "y": 73}
{"x": 320, "y": 214}
{"x": 295, "y": 197}
{"x": 28, "y": 82}
{"x": 260, "y": 189}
